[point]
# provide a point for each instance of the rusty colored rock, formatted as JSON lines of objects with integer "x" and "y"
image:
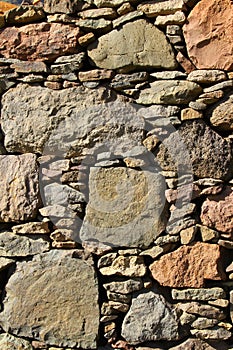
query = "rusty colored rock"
{"x": 217, "y": 211}
{"x": 208, "y": 34}
{"x": 6, "y": 6}
{"x": 40, "y": 41}
{"x": 189, "y": 266}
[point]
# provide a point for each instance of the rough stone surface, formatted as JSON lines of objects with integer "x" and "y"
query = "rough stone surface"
{"x": 127, "y": 48}
{"x": 9, "y": 342}
{"x": 189, "y": 266}
{"x": 56, "y": 6}
{"x": 29, "y": 67}
{"x": 155, "y": 8}
{"x": 70, "y": 105}
{"x": 198, "y": 294}
{"x": 222, "y": 115}
{"x": 150, "y": 318}
{"x": 124, "y": 287}
{"x": 39, "y": 42}
{"x": 208, "y": 37}
{"x": 19, "y": 185}
{"x": 217, "y": 211}
{"x": 215, "y": 333}
{"x": 5, "y": 263}
{"x": 132, "y": 220}
{"x": 24, "y": 14}
{"x": 31, "y": 228}
{"x": 12, "y": 245}
{"x": 47, "y": 305}
{"x": 205, "y": 76}
{"x": 169, "y": 92}
{"x": 132, "y": 266}
{"x": 203, "y": 310}
{"x": 195, "y": 344}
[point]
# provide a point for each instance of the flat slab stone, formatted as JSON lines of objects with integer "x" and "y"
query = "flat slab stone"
{"x": 150, "y": 318}
{"x": 124, "y": 208}
{"x": 39, "y": 41}
{"x": 208, "y": 37}
{"x": 189, "y": 266}
{"x": 59, "y": 304}
{"x": 19, "y": 185}
{"x": 126, "y": 48}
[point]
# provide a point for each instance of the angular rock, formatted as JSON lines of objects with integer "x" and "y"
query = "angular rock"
{"x": 207, "y": 234}
{"x": 155, "y": 8}
{"x": 217, "y": 211}
{"x": 203, "y": 310}
{"x": 129, "y": 17}
{"x": 48, "y": 308}
{"x": 219, "y": 302}
{"x": 126, "y": 48}
{"x": 208, "y": 38}
{"x": 168, "y": 75}
{"x": 225, "y": 85}
{"x": 31, "y": 228}
{"x": 189, "y": 113}
{"x": 40, "y": 41}
{"x": 107, "y": 13}
{"x": 125, "y": 207}
{"x": 5, "y": 6}
{"x": 207, "y": 76}
{"x": 189, "y": 266}
{"x": 222, "y": 115}
{"x": 109, "y": 3}
{"x": 215, "y": 333}
{"x": 12, "y": 245}
{"x": 124, "y": 81}
{"x": 132, "y": 266}
{"x": 150, "y": 318}
{"x": 95, "y": 75}
{"x": 154, "y": 252}
{"x": 5, "y": 263}
{"x": 176, "y": 18}
{"x": 19, "y": 185}
{"x": 203, "y": 323}
{"x": 68, "y": 6}
{"x": 198, "y": 294}
{"x": 169, "y": 92}
{"x": 124, "y": 287}
{"x": 195, "y": 344}
{"x": 100, "y": 24}
{"x": 9, "y": 342}
{"x": 185, "y": 63}
{"x": 188, "y": 235}
{"x": 29, "y": 67}
{"x": 24, "y": 15}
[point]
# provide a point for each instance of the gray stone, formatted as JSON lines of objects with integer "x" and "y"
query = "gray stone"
{"x": 127, "y": 48}
{"x": 215, "y": 333}
{"x": 5, "y": 84}
{"x": 203, "y": 323}
{"x": 94, "y": 24}
{"x": 198, "y": 294}
{"x": 125, "y": 207}
{"x": 169, "y": 92}
{"x": 57, "y": 112}
{"x": 127, "y": 18}
{"x": 122, "y": 298}
{"x": 68, "y": 6}
{"x": 220, "y": 86}
{"x": 155, "y": 8}
{"x": 125, "y": 81}
{"x": 47, "y": 309}
{"x": 32, "y": 78}
{"x": 150, "y": 318}
{"x": 12, "y": 245}
{"x": 106, "y": 260}
{"x": 19, "y": 185}
{"x": 109, "y": 3}
{"x": 124, "y": 287}
{"x": 207, "y": 76}
{"x": 9, "y": 342}
{"x": 168, "y": 75}
{"x": 67, "y": 64}
{"x": 203, "y": 310}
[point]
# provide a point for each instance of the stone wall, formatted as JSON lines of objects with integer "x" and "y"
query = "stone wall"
{"x": 116, "y": 206}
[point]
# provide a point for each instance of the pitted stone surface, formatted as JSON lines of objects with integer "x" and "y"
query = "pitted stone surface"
{"x": 126, "y": 48}
{"x": 208, "y": 37}
{"x": 46, "y": 295}
{"x": 39, "y": 41}
{"x": 150, "y": 318}
{"x": 19, "y": 185}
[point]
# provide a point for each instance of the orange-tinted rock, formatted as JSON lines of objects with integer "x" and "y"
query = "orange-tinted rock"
{"x": 39, "y": 42}
{"x": 217, "y": 211}
{"x": 208, "y": 34}
{"x": 5, "y": 6}
{"x": 189, "y": 266}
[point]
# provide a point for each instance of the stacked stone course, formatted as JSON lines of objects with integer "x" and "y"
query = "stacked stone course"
{"x": 116, "y": 164}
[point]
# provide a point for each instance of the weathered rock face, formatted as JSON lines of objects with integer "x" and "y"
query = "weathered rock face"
{"x": 154, "y": 8}
{"x": 126, "y": 48}
{"x": 150, "y": 318}
{"x": 208, "y": 36}
{"x": 222, "y": 115}
{"x": 130, "y": 220}
{"x": 24, "y": 14}
{"x": 40, "y": 41}
{"x": 56, "y": 6}
{"x": 169, "y": 92}
{"x": 73, "y": 115}
{"x": 19, "y": 184}
{"x": 189, "y": 266}
{"x": 217, "y": 211}
{"x": 9, "y": 342}
{"x": 197, "y": 344}
{"x": 47, "y": 309}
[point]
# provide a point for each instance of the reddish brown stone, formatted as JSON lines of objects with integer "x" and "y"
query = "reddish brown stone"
{"x": 208, "y": 34}
{"x": 217, "y": 211}
{"x": 39, "y": 42}
{"x": 189, "y": 266}
{"x": 185, "y": 63}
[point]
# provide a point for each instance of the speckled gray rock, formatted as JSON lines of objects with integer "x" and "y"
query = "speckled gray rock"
{"x": 150, "y": 318}
{"x": 43, "y": 301}
{"x": 19, "y": 185}
{"x": 127, "y": 48}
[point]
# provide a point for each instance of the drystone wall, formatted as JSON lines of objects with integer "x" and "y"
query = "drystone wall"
{"x": 116, "y": 175}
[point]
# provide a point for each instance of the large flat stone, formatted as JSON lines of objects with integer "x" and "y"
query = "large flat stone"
{"x": 208, "y": 37}
{"x": 127, "y": 48}
{"x": 124, "y": 207}
{"x": 66, "y": 117}
{"x": 39, "y": 41}
{"x": 189, "y": 266}
{"x": 169, "y": 92}
{"x": 217, "y": 211}
{"x": 150, "y": 318}
{"x": 19, "y": 185}
{"x": 54, "y": 299}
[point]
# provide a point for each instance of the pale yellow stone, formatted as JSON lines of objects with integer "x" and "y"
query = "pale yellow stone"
{"x": 187, "y": 235}
{"x": 190, "y": 113}
{"x": 207, "y": 233}
{"x": 176, "y": 18}
{"x": 219, "y": 302}
{"x": 225, "y": 325}
{"x": 151, "y": 142}
{"x": 132, "y": 266}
